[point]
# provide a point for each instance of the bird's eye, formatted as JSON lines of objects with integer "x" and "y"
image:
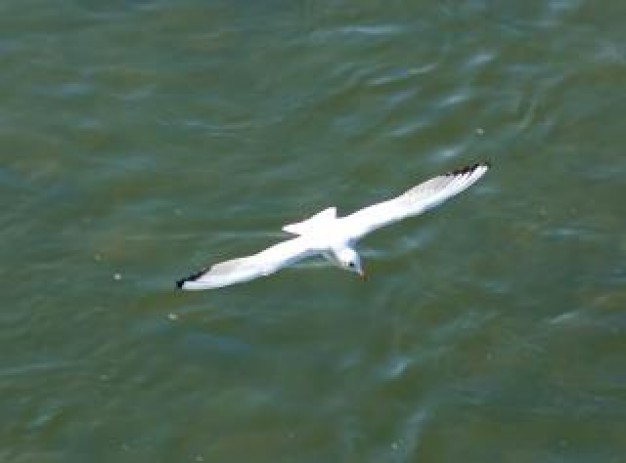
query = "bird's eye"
{"x": 351, "y": 264}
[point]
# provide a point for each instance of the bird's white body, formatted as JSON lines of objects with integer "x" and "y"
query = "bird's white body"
{"x": 334, "y": 237}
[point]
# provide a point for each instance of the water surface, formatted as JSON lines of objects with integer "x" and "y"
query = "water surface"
{"x": 141, "y": 140}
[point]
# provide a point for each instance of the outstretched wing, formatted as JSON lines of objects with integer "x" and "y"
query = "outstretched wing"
{"x": 414, "y": 201}
{"x": 248, "y": 268}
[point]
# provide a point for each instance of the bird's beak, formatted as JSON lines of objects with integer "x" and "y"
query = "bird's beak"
{"x": 362, "y": 275}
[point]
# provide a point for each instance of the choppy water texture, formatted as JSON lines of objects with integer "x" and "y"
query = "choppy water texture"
{"x": 141, "y": 140}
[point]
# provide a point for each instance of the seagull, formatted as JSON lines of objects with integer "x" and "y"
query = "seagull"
{"x": 335, "y": 237}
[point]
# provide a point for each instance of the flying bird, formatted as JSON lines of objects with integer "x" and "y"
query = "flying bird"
{"x": 335, "y": 237}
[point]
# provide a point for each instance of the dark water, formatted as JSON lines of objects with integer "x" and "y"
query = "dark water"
{"x": 141, "y": 140}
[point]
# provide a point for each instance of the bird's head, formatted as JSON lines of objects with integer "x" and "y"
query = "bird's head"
{"x": 350, "y": 260}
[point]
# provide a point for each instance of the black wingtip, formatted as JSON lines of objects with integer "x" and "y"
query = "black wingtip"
{"x": 192, "y": 277}
{"x": 469, "y": 169}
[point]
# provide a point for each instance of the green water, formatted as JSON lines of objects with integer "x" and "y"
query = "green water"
{"x": 141, "y": 140}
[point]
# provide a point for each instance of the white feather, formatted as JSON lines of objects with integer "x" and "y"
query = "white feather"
{"x": 248, "y": 268}
{"x": 414, "y": 201}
